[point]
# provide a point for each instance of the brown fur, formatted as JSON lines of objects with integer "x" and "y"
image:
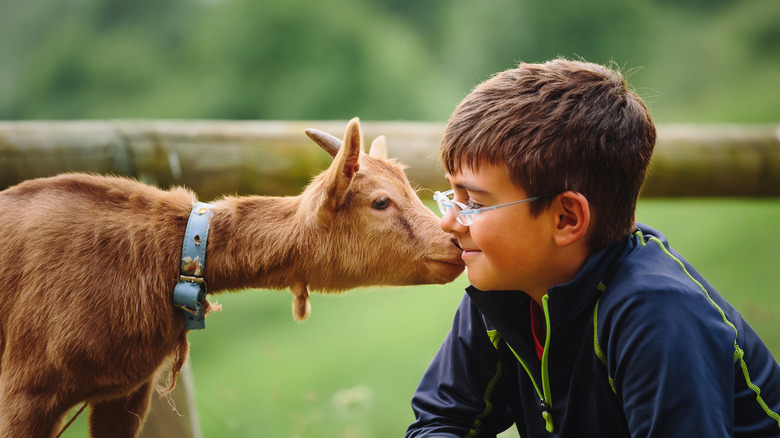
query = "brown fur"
{"x": 89, "y": 263}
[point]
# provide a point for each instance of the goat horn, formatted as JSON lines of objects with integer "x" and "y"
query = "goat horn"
{"x": 326, "y": 141}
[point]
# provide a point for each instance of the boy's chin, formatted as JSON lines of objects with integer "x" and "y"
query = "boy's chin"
{"x": 485, "y": 283}
{"x": 480, "y": 282}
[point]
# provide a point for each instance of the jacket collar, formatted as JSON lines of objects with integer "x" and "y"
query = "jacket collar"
{"x": 582, "y": 292}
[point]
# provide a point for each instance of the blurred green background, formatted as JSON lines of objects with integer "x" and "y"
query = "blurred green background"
{"x": 351, "y": 369}
{"x": 692, "y": 60}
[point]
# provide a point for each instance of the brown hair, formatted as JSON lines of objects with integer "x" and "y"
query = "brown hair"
{"x": 562, "y": 125}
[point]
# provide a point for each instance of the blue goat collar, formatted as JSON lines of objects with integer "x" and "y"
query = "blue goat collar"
{"x": 189, "y": 294}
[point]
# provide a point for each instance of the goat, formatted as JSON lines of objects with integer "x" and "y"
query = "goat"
{"x": 88, "y": 265}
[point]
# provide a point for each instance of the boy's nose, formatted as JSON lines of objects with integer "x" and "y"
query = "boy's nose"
{"x": 451, "y": 225}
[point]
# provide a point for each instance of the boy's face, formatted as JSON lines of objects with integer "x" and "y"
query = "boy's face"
{"x": 506, "y": 248}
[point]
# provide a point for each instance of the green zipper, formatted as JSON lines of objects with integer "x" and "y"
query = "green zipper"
{"x": 547, "y": 414}
{"x": 544, "y": 393}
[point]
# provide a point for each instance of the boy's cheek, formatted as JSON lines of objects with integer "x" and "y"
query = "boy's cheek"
{"x": 479, "y": 273}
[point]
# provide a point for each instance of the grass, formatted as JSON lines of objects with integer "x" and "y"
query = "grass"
{"x": 350, "y": 370}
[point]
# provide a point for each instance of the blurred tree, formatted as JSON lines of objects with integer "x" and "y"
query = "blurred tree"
{"x": 713, "y": 67}
{"x": 295, "y": 60}
{"x": 384, "y": 59}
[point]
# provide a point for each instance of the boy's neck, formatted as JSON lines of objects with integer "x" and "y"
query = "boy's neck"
{"x": 569, "y": 264}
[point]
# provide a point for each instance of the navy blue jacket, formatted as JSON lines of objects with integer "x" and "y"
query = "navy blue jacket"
{"x": 639, "y": 344}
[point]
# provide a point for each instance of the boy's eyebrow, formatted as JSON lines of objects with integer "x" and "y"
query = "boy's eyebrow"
{"x": 471, "y": 188}
{"x": 468, "y": 187}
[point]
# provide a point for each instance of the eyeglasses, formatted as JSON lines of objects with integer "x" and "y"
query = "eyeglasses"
{"x": 463, "y": 214}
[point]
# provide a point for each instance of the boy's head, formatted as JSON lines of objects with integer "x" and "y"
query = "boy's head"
{"x": 559, "y": 126}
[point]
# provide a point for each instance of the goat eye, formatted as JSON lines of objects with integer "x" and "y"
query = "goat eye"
{"x": 381, "y": 203}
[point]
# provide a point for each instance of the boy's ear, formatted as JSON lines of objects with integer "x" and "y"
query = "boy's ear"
{"x": 572, "y": 218}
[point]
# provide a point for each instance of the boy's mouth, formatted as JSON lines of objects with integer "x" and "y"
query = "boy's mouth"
{"x": 467, "y": 252}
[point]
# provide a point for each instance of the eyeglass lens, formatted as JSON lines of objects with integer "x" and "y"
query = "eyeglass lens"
{"x": 446, "y": 202}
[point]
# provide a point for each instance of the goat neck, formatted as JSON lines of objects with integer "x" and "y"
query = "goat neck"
{"x": 252, "y": 243}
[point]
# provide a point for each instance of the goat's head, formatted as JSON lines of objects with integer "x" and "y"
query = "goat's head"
{"x": 367, "y": 226}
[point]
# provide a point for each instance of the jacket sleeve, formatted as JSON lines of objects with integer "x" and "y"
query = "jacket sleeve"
{"x": 461, "y": 392}
{"x": 672, "y": 359}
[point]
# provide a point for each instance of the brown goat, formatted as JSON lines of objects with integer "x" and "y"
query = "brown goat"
{"x": 88, "y": 265}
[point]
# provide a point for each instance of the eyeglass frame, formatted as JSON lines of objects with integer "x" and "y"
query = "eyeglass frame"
{"x": 445, "y": 203}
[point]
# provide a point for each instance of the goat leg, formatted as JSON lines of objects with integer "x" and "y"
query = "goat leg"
{"x": 25, "y": 414}
{"x": 121, "y": 417}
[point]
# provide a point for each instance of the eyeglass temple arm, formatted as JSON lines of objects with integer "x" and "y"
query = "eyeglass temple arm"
{"x": 479, "y": 210}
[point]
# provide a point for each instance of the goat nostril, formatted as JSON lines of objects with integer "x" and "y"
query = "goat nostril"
{"x": 455, "y": 242}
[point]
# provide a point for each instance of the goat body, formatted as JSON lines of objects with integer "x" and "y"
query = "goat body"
{"x": 89, "y": 263}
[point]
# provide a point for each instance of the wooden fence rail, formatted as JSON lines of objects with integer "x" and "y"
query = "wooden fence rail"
{"x": 276, "y": 158}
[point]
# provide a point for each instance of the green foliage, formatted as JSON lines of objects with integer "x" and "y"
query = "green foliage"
{"x": 695, "y": 61}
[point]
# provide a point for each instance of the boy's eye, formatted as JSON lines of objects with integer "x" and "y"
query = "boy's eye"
{"x": 470, "y": 205}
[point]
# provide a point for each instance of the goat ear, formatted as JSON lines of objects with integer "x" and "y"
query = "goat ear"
{"x": 378, "y": 147}
{"x": 344, "y": 166}
{"x": 326, "y": 141}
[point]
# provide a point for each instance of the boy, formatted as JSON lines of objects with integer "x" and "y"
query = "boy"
{"x": 578, "y": 322}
